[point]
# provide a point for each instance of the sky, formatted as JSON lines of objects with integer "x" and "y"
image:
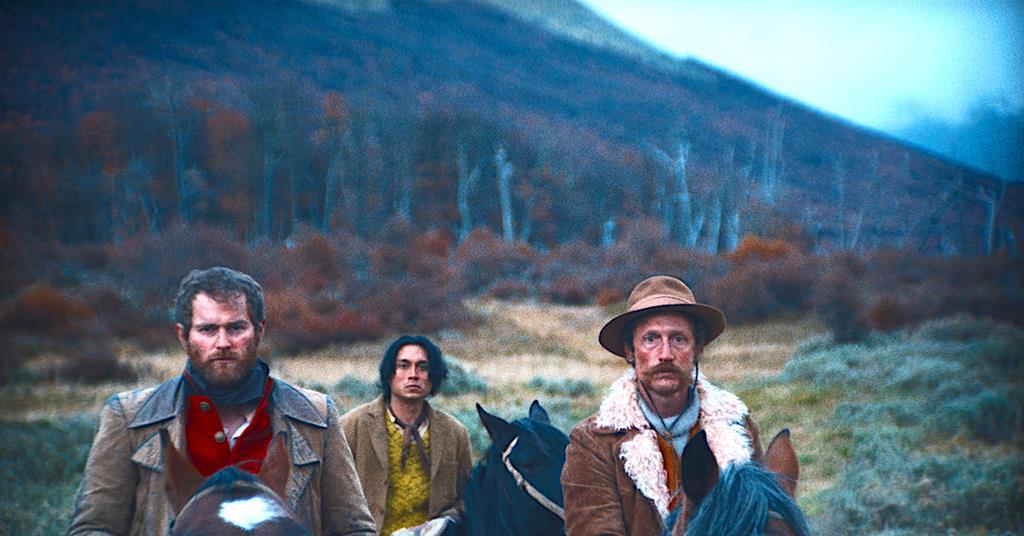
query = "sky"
{"x": 884, "y": 64}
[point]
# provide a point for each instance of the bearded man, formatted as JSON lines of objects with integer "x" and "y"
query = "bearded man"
{"x": 223, "y": 409}
{"x": 622, "y": 467}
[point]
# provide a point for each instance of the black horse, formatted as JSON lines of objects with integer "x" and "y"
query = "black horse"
{"x": 515, "y": 487}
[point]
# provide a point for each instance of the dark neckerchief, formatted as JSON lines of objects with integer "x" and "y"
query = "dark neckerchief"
{"x": 411, "y": 434}
{"x": 224, "y": 397}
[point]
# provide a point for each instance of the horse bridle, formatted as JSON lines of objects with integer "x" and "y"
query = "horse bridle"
{"x": 533, "y": 492}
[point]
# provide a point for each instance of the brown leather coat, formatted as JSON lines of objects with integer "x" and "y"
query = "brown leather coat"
{"x": 122, "y": 491}
{"x": 614, "y": 480}
{"x": 450, "y": 458}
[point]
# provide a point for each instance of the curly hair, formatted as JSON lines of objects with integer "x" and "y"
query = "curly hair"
{"x": 221, "y": 284}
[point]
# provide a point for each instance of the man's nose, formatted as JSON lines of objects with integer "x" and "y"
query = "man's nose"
{"x": 222, "y": 340}
{"x": 664, "y": 351}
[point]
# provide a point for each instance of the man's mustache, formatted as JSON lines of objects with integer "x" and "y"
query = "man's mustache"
{"x": 669, "y": 368}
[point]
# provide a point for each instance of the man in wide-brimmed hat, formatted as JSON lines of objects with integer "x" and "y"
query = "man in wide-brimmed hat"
{"x": 622, "y": 468}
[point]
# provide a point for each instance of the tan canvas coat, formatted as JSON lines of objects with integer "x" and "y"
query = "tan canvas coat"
{"x": 122, "y": 491}
{"x": 614, "y": 480}
{"x": 450, "y": 458}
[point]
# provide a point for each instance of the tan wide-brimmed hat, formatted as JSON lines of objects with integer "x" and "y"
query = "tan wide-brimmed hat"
{"x": 657, "y": 294}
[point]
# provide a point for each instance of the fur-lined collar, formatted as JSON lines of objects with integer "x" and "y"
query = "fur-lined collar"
{"x": 721, "y": 416}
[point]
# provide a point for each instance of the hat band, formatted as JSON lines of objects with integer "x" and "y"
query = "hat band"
{"x": 658, "y": 300}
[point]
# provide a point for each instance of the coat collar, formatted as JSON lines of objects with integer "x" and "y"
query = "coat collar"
{"x": 378, "y": 432}
{"x": 721, "y": 416}
{"x": 167, "y": 401}
{"x": 288, "y": 405}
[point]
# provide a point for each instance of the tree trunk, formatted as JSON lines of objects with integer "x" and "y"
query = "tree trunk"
{"x": 504, "y": 174}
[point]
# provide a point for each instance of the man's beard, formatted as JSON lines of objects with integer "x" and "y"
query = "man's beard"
{"x": 676, "y": 371}
{"x": 224, "y": 377}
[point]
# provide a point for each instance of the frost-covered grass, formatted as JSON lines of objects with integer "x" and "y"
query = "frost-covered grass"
{"x": 40, "y": 466}
{"x": 929, "y": 423}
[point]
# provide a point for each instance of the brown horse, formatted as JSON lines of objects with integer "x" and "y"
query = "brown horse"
{"x": 743, "y": 499}
{"x": 230, "y": 502}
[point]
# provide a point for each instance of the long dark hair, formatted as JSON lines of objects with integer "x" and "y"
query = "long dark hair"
{"x": 438, "y": 368}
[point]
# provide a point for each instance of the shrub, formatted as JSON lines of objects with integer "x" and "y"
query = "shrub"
{"x": 509, "y": 289}
{"x": 94, "y": 361}
{"x": 43, "y": 308}
{"x": 45, "y": 460}
{"x": 609, "y": 296}
{"x": 484, "y": 258}
{"x": 354, "y": 387}
{"x": 567, "y": 289}
{"x": 154, "y": 263}
{"x": 755, "y": 249}
{"x": 298, "y": 320}
{"x": 461, "y": 380}
{"x": 18, "y": 349}
{"x": 837, "y": 303}
{"x": 759, "y": 290}
{"x": 912, "y": 395}
{"x": 887, "y": 314}
{"x": 887, "y": 486}
{"x": 571, "y": 387}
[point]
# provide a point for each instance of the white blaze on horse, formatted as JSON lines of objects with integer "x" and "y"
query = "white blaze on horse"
{"x": 231, "y": 501}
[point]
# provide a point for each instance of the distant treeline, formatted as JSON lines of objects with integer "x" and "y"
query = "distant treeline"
{"x": 264, "y": 160}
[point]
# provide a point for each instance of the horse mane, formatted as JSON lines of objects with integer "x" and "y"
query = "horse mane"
{"x": 225, "y": 478}
{"x": 740, "y": 502}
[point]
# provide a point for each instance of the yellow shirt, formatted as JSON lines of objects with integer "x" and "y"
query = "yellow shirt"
{"x": 408, "y": 489}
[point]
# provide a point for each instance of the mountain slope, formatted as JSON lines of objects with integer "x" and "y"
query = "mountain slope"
{"x": 591, "y": 103}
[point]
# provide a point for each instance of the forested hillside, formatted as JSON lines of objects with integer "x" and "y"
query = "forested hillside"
{"x": 121, "y": 117}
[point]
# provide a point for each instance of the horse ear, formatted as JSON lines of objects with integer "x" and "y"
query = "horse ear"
{"x": 699, "y": 468}
{"x": 496, "y": 426}
{"x": 276, "y": 467}
{"x": 538, "y": 413}
{"x": 781, "y": 459}
{"x": 181, "y": 479}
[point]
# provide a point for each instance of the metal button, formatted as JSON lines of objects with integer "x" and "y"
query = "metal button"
{"x": 220, "y": 437}
{"x": 204, "y": 406}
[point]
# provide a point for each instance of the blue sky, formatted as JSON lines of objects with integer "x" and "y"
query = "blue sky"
{"x": 882, "y": 64}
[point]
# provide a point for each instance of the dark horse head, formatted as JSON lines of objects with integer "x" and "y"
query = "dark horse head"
{"x": 231, "y": 501}
{"x": 743, "y": 499}
{"x": 515, "y": 487}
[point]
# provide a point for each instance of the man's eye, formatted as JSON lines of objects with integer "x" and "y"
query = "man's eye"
{"x": 207, "y": 329}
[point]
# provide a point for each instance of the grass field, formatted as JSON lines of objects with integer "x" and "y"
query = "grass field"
{"x": 911, "y": 433}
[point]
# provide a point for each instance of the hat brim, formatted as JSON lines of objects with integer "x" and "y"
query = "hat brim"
{"x": 610, "y": 336}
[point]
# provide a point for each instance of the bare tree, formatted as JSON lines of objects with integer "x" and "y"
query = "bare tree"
{"x": 733, "y": 194}
{"x": 503, "y": 169}
{"x": 168, "y": 97}
{"x": 849, "y": 226}
{"x": 772, "y": 165}
{"x": 992, "y": 197}
{"x": 334, "y": 178}
{"x": 467, "y": 177}
{"x": 608, "y": 233}
{"x": 679, "y": 220}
